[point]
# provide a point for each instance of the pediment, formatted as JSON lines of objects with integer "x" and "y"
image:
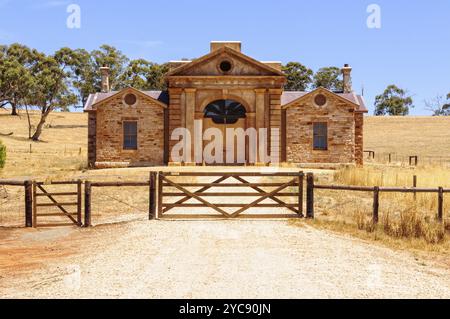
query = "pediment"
{"x": 241, "y": 65}
{"x": 148, "y": 95}
{"x": 308, "y": 98}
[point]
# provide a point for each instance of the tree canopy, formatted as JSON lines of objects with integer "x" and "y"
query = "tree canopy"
{"x": 393, "y": 101}
{"x": 16, "y": 78}
{"x": 329, "y": 78}
{"x": 33, "y": 80}
{"x": 299, "y": 77}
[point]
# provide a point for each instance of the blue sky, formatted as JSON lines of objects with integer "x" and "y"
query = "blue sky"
{"x": 412, "y": 48}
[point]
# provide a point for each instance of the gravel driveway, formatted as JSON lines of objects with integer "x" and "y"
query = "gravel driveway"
{"x": 212, "y": 259}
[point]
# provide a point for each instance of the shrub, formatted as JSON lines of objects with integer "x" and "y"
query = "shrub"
{"x": 2, "y": 155}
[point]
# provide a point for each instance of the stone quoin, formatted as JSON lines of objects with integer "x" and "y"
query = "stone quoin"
{"x": 223, "y": 90}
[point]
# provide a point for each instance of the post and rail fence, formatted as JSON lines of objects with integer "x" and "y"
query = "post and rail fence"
{"x": 159, "y": 182}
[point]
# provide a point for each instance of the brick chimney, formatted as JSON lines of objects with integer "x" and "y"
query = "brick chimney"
{"x": 105, "y": 79}
{"x": 235, "y": 45}
{"x": 347, "y": 75}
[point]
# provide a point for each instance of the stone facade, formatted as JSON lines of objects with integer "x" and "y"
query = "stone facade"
{"x": 339, "y": 116}
{"x": 225, "y": 74}
{"x": 108, "y": 141}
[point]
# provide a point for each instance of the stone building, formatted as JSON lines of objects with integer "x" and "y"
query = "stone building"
{"x": 221, "y": 90}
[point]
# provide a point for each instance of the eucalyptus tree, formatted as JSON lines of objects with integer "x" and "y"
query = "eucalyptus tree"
{"x": 52, "y": 87}
{"x": 299, "y": 77}
{"x": 329, "y": 78}
{"x": 393, "y": 101}
{"x": 16, "y": 80}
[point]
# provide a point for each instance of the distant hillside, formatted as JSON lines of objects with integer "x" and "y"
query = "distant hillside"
{"x": 423, "y": 136}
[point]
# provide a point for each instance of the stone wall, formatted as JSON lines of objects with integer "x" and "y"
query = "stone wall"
{"x": 340, "y": 117}
{"x": 109, "y": 133}
{"x": 359, "y": 138}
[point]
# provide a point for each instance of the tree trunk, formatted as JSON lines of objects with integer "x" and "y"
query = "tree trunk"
{"x": 39, "y": 127}
{"x": 14, "y": 109}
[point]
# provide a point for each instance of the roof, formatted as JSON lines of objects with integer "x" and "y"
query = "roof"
{"x": 230, "y": 51}
{"x": 290, "y": 96}
{"x": 161, "y": 96}
{"x": 286, "y": 98}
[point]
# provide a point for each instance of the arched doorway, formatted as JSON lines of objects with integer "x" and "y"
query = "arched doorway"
{"x": 223, "y": 115}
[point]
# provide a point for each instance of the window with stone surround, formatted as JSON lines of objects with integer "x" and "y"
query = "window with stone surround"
{"x": 225, "y": 112}
{"x": 130, "y": 135}
{"x": 320, "y": 131}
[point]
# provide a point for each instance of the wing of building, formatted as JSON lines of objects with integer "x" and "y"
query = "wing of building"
{"x": 223, "y": 90}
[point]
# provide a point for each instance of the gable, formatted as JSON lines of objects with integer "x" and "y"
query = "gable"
{"x": 295, "y": 99}
{"x": 209, "y": 65}
{"x": 157, "y": 97}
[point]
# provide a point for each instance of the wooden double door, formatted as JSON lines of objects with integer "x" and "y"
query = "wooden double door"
{"x": 228, "y": 152}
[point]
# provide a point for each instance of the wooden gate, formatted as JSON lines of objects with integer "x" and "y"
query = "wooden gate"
{"x": 282, "y": 191}
{"x": 66, "y": 205}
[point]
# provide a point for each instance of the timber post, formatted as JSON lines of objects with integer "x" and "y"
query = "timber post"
{"x": 87, "y": 204}
{"x": 152, "y": 198}
{"x": 441, "y": 205}
{"x": 301, "y": 177}
{"x": 376, "y": 205}
{"x": 310, "y": 195}
{"x": 28, "y": 203}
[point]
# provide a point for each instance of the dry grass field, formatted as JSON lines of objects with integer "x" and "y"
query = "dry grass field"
{"x": 409, "y": 248}
{"x": 61, "y": 155}
{"x": 426, "y": 137}
{"x": 62, "y": 151}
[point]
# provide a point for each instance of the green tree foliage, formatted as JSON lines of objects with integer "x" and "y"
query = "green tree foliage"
{"x": 329, "y": 78}
{"x": 394, "y": 101}
{"x": 16, "y": 78}
{"x": 144, "y": 75}
{"x": 52, "y": 86}
{"x": 114, "y": 59}
{"x": 299, "y": 77}
{"x": 2, "y": 155}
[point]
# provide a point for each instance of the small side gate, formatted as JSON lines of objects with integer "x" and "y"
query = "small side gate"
{"x": 268, "y": 196}
{"x": 53, "y": 208}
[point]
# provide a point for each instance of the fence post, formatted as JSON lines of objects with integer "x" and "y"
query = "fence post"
{"x": 310, "y": 195}
{"x": 441, "y": 204}
{"x": 79, "y": 200}
{"x": 376, "y": 204}
{"x": 301, "y": 177}
{"x": 87, "y": 204}
{"x": 34, "y": 210}
{"x": 28, "y": 203}
{"x": 415, "y": 186}
{"x": 152, "y": 198}
{"x": 160, "y": 195}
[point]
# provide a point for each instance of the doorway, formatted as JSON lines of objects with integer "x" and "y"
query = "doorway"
{"x": 223, "y": 115}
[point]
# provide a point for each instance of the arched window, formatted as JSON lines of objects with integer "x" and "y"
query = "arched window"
{"x": 225, "y": 112}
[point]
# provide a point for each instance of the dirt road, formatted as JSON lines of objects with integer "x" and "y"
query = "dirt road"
{"x": 203, "y": 259}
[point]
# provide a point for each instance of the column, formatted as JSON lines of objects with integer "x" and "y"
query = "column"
{"x": 190, "y": 100}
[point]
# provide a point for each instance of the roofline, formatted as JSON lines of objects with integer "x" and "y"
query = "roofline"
{"x": 132, "y": 89}
{"x": 217, "y": 52}
{"x": 290, "y": 104}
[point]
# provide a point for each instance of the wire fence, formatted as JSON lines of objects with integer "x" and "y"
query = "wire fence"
{"x": 405, "y": 160}
{"x": 119, "y": 204}
{"x": 12, "y": 206}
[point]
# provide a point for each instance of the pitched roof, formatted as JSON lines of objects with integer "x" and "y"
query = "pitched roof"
{"x": 215, "y": 53}
{"x": 161, "y": 96}
{"x": 289, "y": 97}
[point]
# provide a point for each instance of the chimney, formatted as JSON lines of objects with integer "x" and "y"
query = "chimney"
{"x": 105, "y": 79}
{"x": 235, "y": 45}
{"x": 347, "y": 74}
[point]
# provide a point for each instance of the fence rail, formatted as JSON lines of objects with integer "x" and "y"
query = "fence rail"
{"x": 158, "y": 183}
{"x": 376, "y": 195}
